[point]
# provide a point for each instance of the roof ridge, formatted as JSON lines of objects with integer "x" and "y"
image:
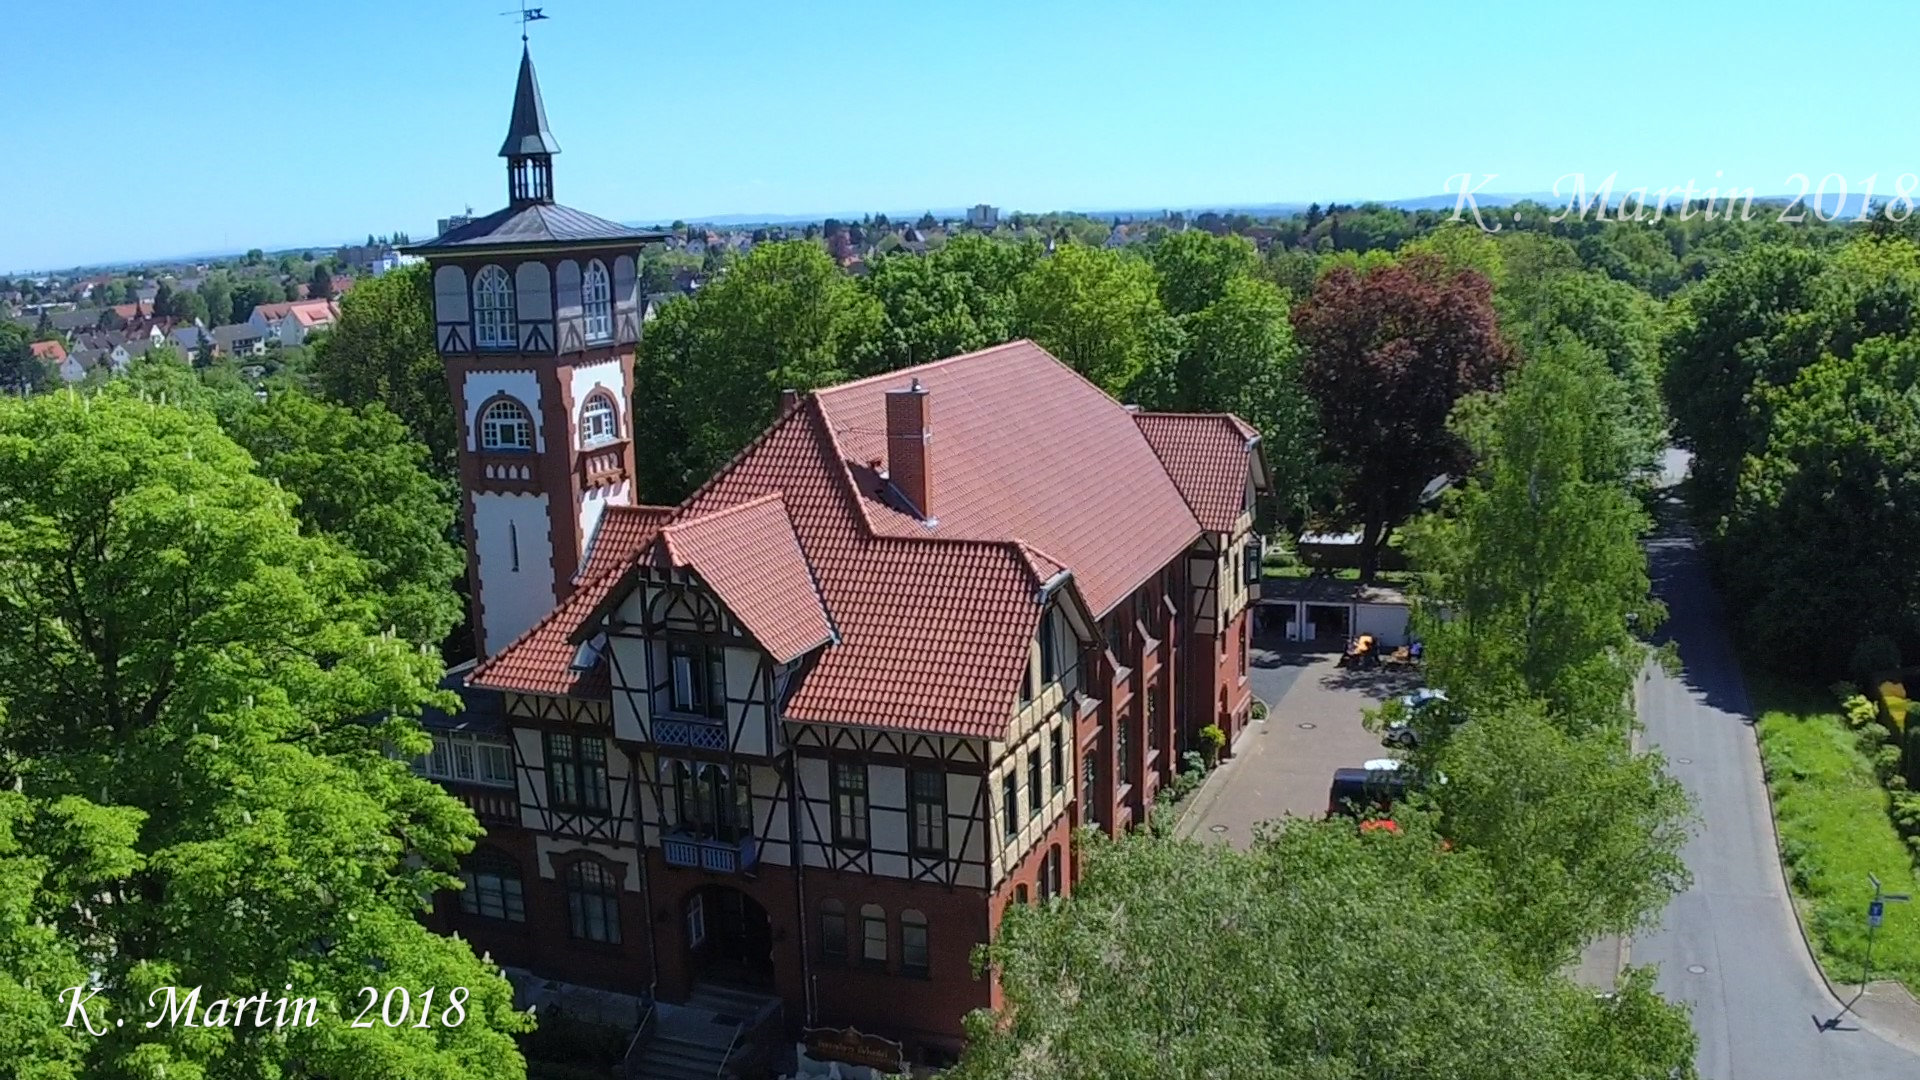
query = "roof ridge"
{"x": 680, "y": 523}
{"x": 897, "y": 372}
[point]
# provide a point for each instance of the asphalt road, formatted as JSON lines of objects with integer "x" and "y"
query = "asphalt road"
{"x": 1730, "y": 946}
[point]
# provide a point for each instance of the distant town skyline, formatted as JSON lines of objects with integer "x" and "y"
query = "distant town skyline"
{"x": 382, "y": 118}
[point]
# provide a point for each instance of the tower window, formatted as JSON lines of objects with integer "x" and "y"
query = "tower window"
{"x": 506, "y": 425}
{"x": 493, "y": 326}
{"x": 596, "y": 298}
{"x": 597, "y": 421}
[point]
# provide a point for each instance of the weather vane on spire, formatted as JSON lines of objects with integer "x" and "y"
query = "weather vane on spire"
{"x": 527, "y": 15}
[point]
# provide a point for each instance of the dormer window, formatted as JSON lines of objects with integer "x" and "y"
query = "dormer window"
{"x": 493, "y": 321}
{"x": 598, "y": 422}
{"x": 596, "y": 298}
{"x": 506, "y": 425}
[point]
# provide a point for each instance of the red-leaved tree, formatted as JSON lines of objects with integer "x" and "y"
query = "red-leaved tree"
{"x": 1387, "y": 353}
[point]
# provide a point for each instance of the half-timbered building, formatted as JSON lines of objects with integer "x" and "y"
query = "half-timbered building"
{"x": 810, "y": 732}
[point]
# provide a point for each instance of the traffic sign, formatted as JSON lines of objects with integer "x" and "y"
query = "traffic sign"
{"x": 1875, "y": 911}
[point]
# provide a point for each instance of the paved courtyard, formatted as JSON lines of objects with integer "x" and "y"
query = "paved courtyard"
{"x": 1284, "y": 763}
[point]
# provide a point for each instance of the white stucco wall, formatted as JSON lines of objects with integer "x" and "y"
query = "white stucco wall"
{"x": 512, "y": 599}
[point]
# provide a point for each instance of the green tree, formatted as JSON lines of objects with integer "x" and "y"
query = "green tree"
{"x": 1532, "y": 580}
{"x": 21, "y": 372}
{"x": 381, "y": 351}
{"x": 711, "y": 368}
{"x": 1819, "y": 542}
{"x": 251, "y": 293}
{"x": 957, "y": 299}
{"x": 216, "y": 292}
{"x": 1388, "y": 351}
{"x": 362, "y": 478}
{"x": 320, "y": 283}
{"x": 1583, "y": 835}
{"x": 1195, "y": 267}
{"x": 1321, "y": 953}
{"x": 1098, "y": 310}
{"x": 1237, "y": 355}
{"x": 201, "y": 718}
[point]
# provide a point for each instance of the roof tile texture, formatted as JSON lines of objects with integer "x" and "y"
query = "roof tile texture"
{"x": 1207, "y": 454}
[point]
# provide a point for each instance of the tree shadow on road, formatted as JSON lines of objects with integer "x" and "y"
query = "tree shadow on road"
{"x": 1379, "y": 683}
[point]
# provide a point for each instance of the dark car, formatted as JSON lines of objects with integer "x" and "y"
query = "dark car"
{"x": 1356, "y": 792}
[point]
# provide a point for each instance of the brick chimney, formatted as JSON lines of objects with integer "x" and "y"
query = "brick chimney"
{"x": 789, "y": 401}
{"x": 910, "y": 446}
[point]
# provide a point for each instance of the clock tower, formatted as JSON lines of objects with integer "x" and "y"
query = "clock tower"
{"x": 536, "y": 316}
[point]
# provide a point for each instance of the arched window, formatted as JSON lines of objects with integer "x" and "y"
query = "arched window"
{"x": 506, "y": 425}
{"x": 873, "y": 935}
{"x": 493, "y": 326}
{"x": 833, "y": 931}
{"x": 598, "y": 422}
{"x": 593, "y": 902}
{"x": 914, "y": 959}
{"x": 492, "y": 887}
{"x": 596, "y": 299}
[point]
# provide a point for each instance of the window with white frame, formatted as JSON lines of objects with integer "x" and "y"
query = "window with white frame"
{"x": 493, "y": 323}
{"x": 596, "y": 298}
{"x": 506, "y": 425}
{"x": 468, "y": 759}
{"x": 598, "y": 423}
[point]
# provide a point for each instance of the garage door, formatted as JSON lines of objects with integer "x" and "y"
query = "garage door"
{"x": 1387, "y": 622}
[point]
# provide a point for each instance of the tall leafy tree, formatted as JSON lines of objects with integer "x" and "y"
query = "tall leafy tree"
{"x": 363, "y": 479}
{"x": 320, "y": 283}
{"x": 954, "y": 300}
{"x": 1388, "y": 352}
{"x": 1237, "y": 354}
{"x": 1583, "y": 835}
{"x": 1099, "y": 311}
{"x": 1321, "y": 953}
{"x": 711, "y": 367}
{"x": 381, "y": 351}
{"x": 1820, "y": 541}
{"x": 199, "y": 722}
{"x": 21, "y": 372}
{"x": 1533, "y": 582}
{"x": 1195, "y": 267}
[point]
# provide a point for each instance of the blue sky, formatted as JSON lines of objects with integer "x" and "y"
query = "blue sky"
{"x": 146, "y": 130}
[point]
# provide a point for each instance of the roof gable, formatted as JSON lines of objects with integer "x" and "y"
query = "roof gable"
{"x": 1210, "y": 457}
{"x": 749, "y": 556}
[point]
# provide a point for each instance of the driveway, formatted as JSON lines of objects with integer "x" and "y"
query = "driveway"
{"x": 1283, "y": 764}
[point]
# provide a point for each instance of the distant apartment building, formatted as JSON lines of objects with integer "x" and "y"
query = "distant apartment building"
{"x": 983, "y": 217}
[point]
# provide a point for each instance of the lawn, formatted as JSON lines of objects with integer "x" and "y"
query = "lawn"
{"x": 1834, "y": 831}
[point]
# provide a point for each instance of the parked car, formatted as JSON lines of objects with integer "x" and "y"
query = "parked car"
{"x": 1404, "y": 732}
{"x": 1373, "y": 787}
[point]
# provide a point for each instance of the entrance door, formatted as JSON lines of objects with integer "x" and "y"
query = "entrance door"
{"x": 736, "y": 943}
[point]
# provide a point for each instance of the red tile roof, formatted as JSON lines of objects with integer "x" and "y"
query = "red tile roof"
{"x": 1036, "y": 472}
{"x": 1024, "y": 447}
{"x": 49, "y": 350}
{"x": 541, "y": 660}
{"x": 749, "y": 556}
{"x": 1208, "y": 455}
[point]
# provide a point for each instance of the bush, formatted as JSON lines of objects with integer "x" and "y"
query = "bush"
{"x": 1894, "y": 703}
{"x": 1259, "y": 710}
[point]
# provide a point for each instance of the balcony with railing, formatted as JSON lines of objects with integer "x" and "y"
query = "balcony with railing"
{"x": 490, "y": 807}
{"x": 682, "y": 731}
{"x": 708, "y": 853}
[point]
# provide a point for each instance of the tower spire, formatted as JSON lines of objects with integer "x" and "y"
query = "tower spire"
{"x": 529, "y": 146}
